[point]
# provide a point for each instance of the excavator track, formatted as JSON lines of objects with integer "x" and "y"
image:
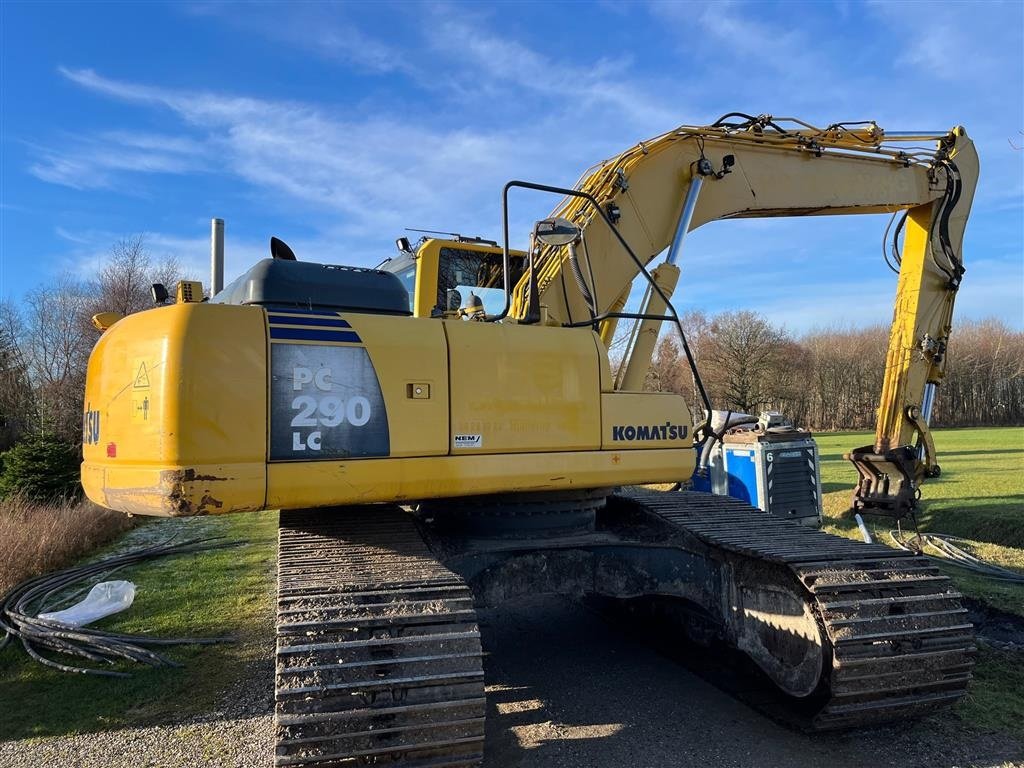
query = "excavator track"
{"x": 898, "y": 641}
{"x": 378, "y": 647}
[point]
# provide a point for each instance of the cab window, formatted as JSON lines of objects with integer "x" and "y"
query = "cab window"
{"x": 404, "y": 267}
{"x": 462, "y": 272}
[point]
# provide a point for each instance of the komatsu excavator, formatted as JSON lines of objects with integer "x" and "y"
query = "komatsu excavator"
{"x": 447, "y": 432}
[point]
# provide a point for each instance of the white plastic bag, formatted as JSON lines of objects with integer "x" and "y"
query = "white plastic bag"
{"x": 105, "y": 598}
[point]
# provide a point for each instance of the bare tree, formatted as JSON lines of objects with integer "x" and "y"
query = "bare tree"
{"x": 17, "y": 407}
{"x": 984, "y": 382}
{"x": 744, "y": 361}
{"x": 831, "y": 379}
{"x": 845, "y": 379}
{"x": 123, "y": 283}
{"x": 57, "y": 342}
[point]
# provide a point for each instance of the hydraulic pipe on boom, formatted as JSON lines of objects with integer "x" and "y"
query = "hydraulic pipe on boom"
{"x": 637, "y": 361}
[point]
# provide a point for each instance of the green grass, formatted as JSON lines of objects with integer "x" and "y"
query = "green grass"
{"x": 995, "y": 701}
{"x": 217, "y": 593}
{"x": 980, "y": 496}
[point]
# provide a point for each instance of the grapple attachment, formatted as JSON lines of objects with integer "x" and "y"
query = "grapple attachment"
{"x": 889, "y": 482}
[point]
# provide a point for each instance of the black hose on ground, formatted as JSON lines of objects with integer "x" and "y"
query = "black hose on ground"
{"x": 21, "y": 606}
{"x": 951, "y": 554}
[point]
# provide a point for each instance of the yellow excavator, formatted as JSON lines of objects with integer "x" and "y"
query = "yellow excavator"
{"x": 447, "y": 432}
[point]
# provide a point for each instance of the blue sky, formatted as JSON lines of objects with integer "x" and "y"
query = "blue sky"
{"x": 335, "y": 126}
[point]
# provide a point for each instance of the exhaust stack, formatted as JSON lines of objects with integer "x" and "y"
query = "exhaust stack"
{"x": 216, "y": 256}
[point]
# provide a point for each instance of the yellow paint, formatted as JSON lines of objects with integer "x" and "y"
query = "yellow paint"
{"x": 524, "y": 388}
{"x": 206, "y": 377}
{"x": 647, "y": 413}
{"x": 425, "y": 298}
{"x": 402, "y": 350}
{"x": 332, "y": 483}
{"x": 200, "y": 446}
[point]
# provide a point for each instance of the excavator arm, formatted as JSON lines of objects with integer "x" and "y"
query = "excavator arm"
{"x": 647, "y": 198}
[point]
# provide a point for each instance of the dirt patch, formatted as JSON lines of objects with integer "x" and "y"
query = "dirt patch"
{"x": 998, "y": 628}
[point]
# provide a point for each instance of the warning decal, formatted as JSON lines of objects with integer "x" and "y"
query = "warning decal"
{"x": 141, "y": 407}
{"x": 141, "y": 376}
{"x": 325, "y": 403}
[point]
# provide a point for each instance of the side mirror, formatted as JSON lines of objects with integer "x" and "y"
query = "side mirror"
{"x": 556, "y": 231}
{"x": 160, "y": 294}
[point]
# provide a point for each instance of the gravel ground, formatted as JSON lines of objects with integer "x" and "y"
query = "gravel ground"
{"x": 239, "y": 734}
{"x": 565, "y": 690}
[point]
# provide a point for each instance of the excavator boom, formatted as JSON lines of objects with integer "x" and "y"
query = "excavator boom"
{"x": 655, "y": 192}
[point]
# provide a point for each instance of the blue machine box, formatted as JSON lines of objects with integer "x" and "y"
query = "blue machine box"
{"x": 776, "y": 471}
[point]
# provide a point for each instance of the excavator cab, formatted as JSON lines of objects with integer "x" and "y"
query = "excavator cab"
{"x": 441, "y": 275}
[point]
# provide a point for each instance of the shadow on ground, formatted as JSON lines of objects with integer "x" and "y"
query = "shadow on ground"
{"x": 566, "y": 688}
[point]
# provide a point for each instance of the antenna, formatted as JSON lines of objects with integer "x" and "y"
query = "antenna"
{"x": 456, "y": 236}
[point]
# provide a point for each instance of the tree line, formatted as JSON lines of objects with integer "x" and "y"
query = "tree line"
{"x": 831, "y": 379}
{"x": 44, "y": 353}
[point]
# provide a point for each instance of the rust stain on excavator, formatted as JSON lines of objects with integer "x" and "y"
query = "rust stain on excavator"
{"x": 179, "y": 502}
{"x": 170, "y": 497}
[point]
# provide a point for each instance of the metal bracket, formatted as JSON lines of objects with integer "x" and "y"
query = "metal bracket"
{"x": 930, "y": 462}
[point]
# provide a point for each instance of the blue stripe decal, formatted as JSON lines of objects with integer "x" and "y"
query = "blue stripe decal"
{"x": 322, "y": 321}
{"x": 312, "y": 334}
{"x": 300, "y": 311}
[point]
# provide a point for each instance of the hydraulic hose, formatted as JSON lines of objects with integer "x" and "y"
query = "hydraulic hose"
{"x": 577, "y": 274}
{"x": 716, "y": 436}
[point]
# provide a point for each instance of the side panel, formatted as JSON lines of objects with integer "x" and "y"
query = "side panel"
{"x": 742, "y": 472}
{"x": 644, "y": 420}
{"x": 521, "y": 388}
{"x": 176, "y": 403}
{"x": 356, "y": 386}
{"x": 411, "y": 359}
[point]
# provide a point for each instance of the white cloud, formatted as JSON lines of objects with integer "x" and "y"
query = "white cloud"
{"x": 489, "y": 106}
{"x": 322, "y": 29}
{"x": 378, "y": 172}
{"x": 493, "y": 61}
{"x": 375, "y": 170}
{"x": 940, "y": 38}
{"x": 96, "y": 162}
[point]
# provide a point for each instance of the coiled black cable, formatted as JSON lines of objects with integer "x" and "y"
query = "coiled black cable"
{"x": 20, "y": 608}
